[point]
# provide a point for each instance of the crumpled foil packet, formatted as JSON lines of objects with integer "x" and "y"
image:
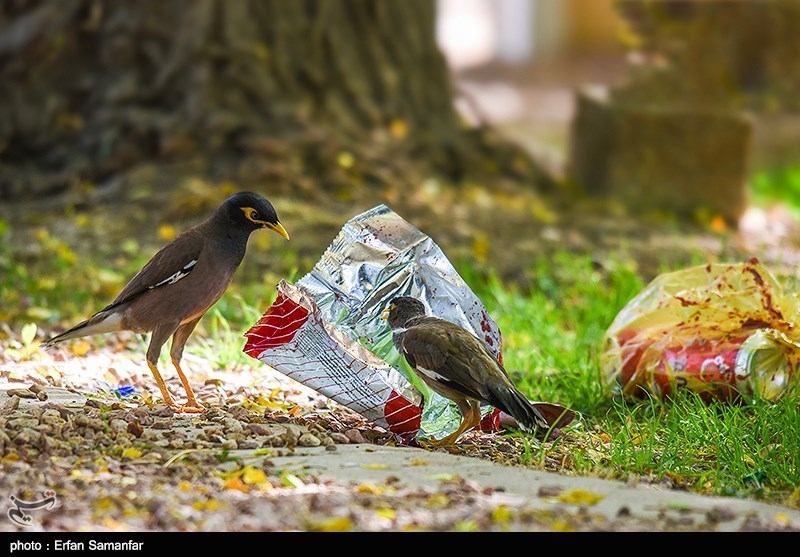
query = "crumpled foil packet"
{"x": 719, "y": 330}
{"x": 326, "y": 330}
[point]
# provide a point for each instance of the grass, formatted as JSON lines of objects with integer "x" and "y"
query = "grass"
{"x": 777, "y": 185}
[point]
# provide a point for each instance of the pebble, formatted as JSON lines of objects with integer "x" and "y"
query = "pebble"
{"x": 309, "y": 440}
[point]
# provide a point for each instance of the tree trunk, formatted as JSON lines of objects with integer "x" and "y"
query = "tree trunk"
{"x": 89, "y": 88}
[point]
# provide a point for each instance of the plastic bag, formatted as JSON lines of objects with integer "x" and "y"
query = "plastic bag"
{"x": 719, "y": 330}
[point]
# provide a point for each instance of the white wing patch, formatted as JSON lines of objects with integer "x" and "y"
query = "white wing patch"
{"x": 433, "y": 375}
{"x": 177, "y": 276}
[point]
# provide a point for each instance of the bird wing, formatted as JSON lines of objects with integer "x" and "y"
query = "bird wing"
{"x": 169, "y": 265}
{"x": 457, "y": 357}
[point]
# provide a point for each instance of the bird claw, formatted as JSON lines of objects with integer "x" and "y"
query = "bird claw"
{"x": 190, "y": 408}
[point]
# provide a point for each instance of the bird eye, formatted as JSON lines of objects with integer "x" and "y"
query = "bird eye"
{"x": 254, "y": 215}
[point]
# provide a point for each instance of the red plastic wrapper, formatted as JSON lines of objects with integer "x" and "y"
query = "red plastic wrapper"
{"x": 719, "y": 330}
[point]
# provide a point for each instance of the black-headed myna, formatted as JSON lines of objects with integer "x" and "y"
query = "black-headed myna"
{"x": 170, "y": 294}
{"x": 456, "y": 364}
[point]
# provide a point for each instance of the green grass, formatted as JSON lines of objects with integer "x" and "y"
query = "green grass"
{"x": 777, "y": 185}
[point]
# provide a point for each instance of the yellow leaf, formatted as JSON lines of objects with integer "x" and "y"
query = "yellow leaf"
{"x": 375, "y": 466}
{"x": 254, "y": 476}
{"x": 718, "y": 224}
{"x": 398, "y": 128}
{"x": 80, "y": 347}
{"x": 419, "y": 462}
{"x": 185, "y": 486}
{"x": 375, "y": 489}
{"x": 465, "y": 526}
{"x": 131, "y": 452}
{"x": 11, "y": 457}
{"x": 445, "y": 477}
{"x": 388, "y": 514}
{"x": 166, "y": 232}
{"x": 580, "y": 497}
{"x": 237, "y": 484}
{"x": 28, "y": 333}
{"x": 438, "y": 501}
{"x": 345, "y": 159}
{"x": 104, "y": 504}
{"x": 502, "y": 513}
{"x": 335, "y": 524}
{"x": 561, "y": 526}
{"x": 210, "y": 505}
{"x": 77, "y": 474}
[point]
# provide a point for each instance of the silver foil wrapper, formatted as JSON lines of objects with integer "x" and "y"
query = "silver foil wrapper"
{"x": 326, "y": 331}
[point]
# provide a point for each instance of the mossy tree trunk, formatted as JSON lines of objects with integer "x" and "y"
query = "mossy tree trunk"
{"x": 89, "y": 88}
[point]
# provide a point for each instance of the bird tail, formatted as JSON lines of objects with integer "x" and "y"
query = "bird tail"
{"x": 97, "y": 324}
{"x": 512, "y": 402}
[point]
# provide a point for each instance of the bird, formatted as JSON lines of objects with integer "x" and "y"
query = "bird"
{"x": 180, "y": 283}
{"x": 456, "y": 364}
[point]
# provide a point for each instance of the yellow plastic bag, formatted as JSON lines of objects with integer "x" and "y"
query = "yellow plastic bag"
{"x": 719, "y": 330}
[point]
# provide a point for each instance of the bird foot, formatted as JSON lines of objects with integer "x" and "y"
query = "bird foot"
{"x": 195, "y": 408}
{"x": 433, "y": 442}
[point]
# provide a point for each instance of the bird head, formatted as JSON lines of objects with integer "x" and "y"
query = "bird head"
{"x": 252, "y": 212}
{"x": 401, "y": 309}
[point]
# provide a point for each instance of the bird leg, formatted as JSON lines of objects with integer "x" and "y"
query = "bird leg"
{"x": 470, "y": 417}
{"x": 191, "y": 404}
{"x": 176, "y": 352}
{"x": 160, "y": 382}
{"x": 157, "y": 339}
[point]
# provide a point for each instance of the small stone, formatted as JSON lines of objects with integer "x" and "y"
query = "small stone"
{"x": 339, "y": 437}
{"x": 309, "y": 440}
{"x": 117, "y": 424}
{"x": 135, "y": 428}
{"x": 21, "y": 393}
{"x": 230, "y": 444}
{"x": 354, "y": 436}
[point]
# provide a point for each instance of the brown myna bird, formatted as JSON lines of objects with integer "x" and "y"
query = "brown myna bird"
{"x": 456, "y": 364}
{"x": 170, "y": 294}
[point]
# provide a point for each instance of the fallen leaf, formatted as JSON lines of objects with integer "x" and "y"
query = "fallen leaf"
{"x": 335, "y": 524}
{"x": 375, "y": 466}
{"x": 580, "y": 497}
{"x": 131, "y": 453}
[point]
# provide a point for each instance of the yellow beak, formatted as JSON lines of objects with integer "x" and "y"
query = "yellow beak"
{"x": 277, "y": 227}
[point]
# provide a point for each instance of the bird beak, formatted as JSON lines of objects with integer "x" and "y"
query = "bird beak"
{"x": 277, "y": 227}
{"x": 385, "y": 314}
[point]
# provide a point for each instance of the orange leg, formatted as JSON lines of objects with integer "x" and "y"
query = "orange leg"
{"x": 471, "y": 416}
{"x": 176, "y": 352}
{"x": 192, "y": 405}
{"x": 161, "y": 385}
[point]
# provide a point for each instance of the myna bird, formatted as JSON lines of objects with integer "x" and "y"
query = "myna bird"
{"x": 170, "y": 294}
{"x": 456, "y": 364}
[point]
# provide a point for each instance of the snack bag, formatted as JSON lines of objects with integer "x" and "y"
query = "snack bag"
{"x": 719, "y": 330}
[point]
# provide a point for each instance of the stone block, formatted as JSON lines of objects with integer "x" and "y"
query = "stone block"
{"x": 660, "y": 158}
